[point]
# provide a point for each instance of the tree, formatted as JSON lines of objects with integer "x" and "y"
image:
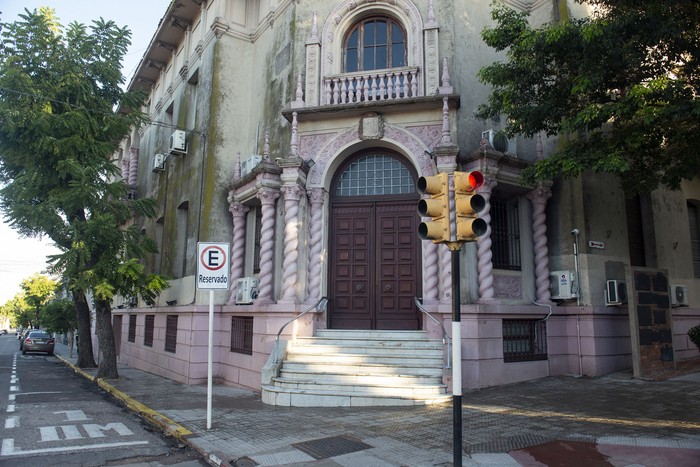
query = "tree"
{"x": 36, "y": 292}
{"x": 60, "y": 316}
{"x": 622, "y": 84}
{"x": 62, "y": 115}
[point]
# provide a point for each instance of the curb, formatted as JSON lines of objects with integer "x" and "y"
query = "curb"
{"x": 168, "y": 426}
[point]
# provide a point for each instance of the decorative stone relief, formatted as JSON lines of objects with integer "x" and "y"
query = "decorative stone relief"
{"x": 507, "y": 287}
{"x": 371, "y": 126}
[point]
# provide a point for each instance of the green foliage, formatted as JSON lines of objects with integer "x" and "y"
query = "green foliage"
{"x": 59, "y": 316}
{"x": 622, "y": 84}
{"x": 63, "y": 113}
{"x": 694, "y": 335}
{"x": 26, "y": 306}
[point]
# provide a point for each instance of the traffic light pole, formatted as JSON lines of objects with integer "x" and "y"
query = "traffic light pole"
{"x": 455, "y": 247}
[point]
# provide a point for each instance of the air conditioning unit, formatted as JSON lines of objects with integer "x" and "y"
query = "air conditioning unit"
{"x": 500, "y": 142}
{"x": 679, "y": 295}
{"x": 563, "y": 285}
{"x": 615, "y": 293}
{"x": 246, "y": 290}
{"x": 158, "y": 162}
{"x": 249, "y": 164}
{"x": 178, "y": 143}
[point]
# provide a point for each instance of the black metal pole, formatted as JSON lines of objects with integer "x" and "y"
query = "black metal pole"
{"x": 456, "y": 363}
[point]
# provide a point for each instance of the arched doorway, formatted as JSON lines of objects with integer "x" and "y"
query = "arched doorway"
{"x": 375, "y": 260}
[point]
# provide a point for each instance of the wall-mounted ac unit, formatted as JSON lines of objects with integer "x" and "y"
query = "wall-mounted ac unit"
{"x": 178, "y": 143}
{"x": 615, "y": 293}
{"x": 562, "y": 285}
{"x": 246, "y": 290}
{"x": 500, "y": 142}
{"x": 679, "y": 295}
{"x": 249, "y": 164}
{"x": 158, "y": 162}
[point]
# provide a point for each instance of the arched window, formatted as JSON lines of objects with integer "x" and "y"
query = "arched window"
{"x": 373, "y": 44}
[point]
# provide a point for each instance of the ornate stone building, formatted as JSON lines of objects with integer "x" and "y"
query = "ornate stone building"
{"x": 296, "y": 131}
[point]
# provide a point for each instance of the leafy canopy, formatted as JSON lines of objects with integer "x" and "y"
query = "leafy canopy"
{"x": 622, "y": 85}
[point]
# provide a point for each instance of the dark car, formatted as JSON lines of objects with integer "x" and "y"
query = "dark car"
{"x": 38, "y": 341}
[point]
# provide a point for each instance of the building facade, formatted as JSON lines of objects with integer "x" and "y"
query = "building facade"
{"x": 296, "y": 131}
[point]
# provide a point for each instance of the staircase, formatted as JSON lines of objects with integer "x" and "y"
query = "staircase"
{"x": 341, "y": 368}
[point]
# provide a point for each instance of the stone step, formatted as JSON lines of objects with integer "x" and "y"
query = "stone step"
{"x": 377, "y": 351}
{"x": 373, "y": 334}
{"x": 323, "y": 398}
{"x": 421, "y": 344}
{"x": 358, "y": 360}
{"x": 362, "y": 379}
{"x": 361, "y": 369}
{"x": 390, "y": 390}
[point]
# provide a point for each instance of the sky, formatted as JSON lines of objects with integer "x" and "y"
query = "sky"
{"x": 22, "y": 257}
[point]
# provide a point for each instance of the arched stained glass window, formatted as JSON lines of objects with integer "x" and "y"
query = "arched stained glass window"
{"x": 374, "y": 44}
{"x": 375, "y": 174}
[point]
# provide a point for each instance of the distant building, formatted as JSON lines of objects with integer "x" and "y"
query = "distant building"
{"x": 296, "y": 132}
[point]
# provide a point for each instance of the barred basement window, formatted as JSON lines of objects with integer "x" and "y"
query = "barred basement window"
{"x": 524, "y": 340}
{"x": 171, "y": 333}
{"x": 242, "y": 334}
{"x": 148, "y": 331}
{"x": 132, "y": 328}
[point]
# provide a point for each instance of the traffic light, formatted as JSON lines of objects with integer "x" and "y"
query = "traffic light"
{"x": 468, "y": 205}
{"x": 437, "y": 207}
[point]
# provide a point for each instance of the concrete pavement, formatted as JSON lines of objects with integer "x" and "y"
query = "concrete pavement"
{"x": 613, "y": 420}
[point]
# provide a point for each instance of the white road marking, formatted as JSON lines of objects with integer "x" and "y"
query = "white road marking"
{"x": 10, "y": 408}
{"x": 95, "y": 431}
{"x": 73, "y": 415}
{"x": 8, "y": 447}
{"x": 12, "y": 422}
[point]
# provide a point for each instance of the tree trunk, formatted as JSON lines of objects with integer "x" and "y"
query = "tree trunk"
{"x": 105, "y": 339}
{"x": 85, "y": 355}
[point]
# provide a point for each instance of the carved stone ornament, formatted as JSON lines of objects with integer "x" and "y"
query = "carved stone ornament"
{"x": 371, "y": 126}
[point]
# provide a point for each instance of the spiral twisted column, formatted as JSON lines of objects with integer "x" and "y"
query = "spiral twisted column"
{"x": 431, "y": 272}
{"x": 483, "y": 247}
{"x": 133, "y": 165}
{"x": 267, "y": 244}
{"x": 538, "y": 197}
{"x": 125, "y": 169}
{"x": 292, "y": 195}
{"x": 317, "y": 197}
{"x": 238, "y": 212}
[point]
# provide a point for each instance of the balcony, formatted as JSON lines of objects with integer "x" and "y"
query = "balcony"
{"x": 374, "y": 85}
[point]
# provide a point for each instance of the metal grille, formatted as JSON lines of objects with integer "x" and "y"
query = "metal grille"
{"x": 132, "y": 328}
{"x": 694, "y": 223}
{"x": 505, "y": 234}
{"x": 148, "y": 331}
{"x": 256, "y": 246}
{"x": 375, "y": 174}
{"x": 171, "y": 333}
{"x": 242, "y": 334}
{"x": 524, "y": 340}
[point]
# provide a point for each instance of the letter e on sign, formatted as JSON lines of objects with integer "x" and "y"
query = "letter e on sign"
{"x": 213, "y": 265}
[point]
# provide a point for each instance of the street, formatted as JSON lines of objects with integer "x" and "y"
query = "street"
{"x": 54, "y": 417}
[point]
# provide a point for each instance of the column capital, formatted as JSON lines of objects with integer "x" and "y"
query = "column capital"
{"x": 238, "y": 209}
{"x": 317, "y": 195}
{"x": 292, "y": 192}
{"x": 268, "y": 196}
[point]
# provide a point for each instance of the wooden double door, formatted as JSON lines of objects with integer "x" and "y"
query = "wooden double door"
{"x": 375, "y": 264}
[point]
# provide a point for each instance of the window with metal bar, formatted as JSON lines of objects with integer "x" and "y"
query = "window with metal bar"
{"x": 148, "y": 331}
{"x": 694, "y": 224}
{"x": 373, "y": 44}
{"x": 256, "y": 245}
{"x": 505, "y": 234}
{"x": 132, "y": 328}
{"x": 524, "y": 340}
{"x": 171, "y": 333}
{"x": 242, "y": 334}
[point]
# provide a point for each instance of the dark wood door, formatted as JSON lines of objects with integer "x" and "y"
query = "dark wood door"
{"x": 375, "y": 266}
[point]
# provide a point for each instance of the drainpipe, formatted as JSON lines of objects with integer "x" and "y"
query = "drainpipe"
{"x": 575, "y": 233}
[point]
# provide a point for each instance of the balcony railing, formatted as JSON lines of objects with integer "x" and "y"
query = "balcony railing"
{"x": 375, "y": 85}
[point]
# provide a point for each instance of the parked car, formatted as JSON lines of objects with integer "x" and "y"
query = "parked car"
{"x": 38, "y": 341}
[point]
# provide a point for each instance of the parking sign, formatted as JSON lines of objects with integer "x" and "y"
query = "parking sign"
{"x": 212, "y": 265}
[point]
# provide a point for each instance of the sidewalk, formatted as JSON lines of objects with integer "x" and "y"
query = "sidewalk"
{"x": 614, "y": 420}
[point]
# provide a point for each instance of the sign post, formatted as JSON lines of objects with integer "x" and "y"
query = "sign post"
{"x": 212, "y": 273}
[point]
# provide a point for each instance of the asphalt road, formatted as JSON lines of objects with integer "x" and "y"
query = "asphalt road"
{"x": 54, "y": 417}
